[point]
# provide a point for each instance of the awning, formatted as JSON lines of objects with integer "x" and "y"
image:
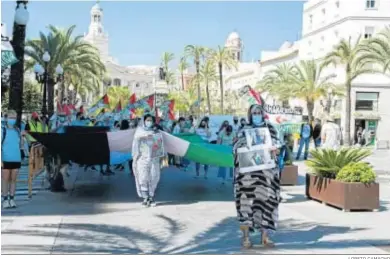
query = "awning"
{"x": 7, "y": 54}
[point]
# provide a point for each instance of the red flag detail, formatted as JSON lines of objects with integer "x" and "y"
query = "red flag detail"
{"x": 255, "y": 95}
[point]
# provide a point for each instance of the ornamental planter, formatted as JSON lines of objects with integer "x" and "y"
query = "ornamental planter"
{"x": 289, "y": 175}
{"x": 346, "y": 196}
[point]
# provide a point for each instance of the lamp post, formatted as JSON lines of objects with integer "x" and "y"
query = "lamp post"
{"x": 329, "y": 102}
{"x": 42, "y": 76}
{"x": 17, "y": 69}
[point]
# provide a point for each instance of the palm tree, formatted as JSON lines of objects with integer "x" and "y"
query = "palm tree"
{"x": 207, "y": 75}
{"x": 78, "y": 58}
{"x": 309, "y": 84}
{"x": 303, "y": 80}
{"x": 223, "y": 58}
{"x": 184, "y": 101}
{"x": 275, "y": 79}
{"x": 196, "y": 53}
{"x": 378, "y": 49}
{"x": 166, "y": 58}
{"x": 182, "y": 67}
{"x": 350, "y": 55}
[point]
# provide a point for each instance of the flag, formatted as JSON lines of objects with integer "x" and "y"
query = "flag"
{"x": 167, "y": 109}
{"x": 146, "y": 103}
{"x": 132, "y": 100}
{"x": 103, "y": 102}
{"x": 97, "y": 147}
{"x": 118, "y": 108}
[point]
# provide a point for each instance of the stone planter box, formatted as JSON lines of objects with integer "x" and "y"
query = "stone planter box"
{"x": 289, "y": 175}
{"x": 346, "y": 196}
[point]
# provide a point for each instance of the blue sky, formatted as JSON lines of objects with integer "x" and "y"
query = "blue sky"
{"x": 140, "y": 31}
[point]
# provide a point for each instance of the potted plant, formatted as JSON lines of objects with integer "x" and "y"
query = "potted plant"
{"x": 289, "y": 175}
{"x": 340, "y": 179}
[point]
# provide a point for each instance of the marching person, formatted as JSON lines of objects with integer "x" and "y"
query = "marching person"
{"x": 11, "y": 158}
{"x": 330, "y": 134}
{"x": 35, "y": 124}
{"x": 226, "y": 138}
{"x": 204, "y": 132}
{"x": 146, "y": 168}
{"x": 236, "y": 124}
{"x": 257, "y": 193}
{"x": 305, "y": 136}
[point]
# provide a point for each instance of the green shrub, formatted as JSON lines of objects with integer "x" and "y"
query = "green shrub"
{"x": 356, "y": 173}
{"x": 328, "y": 162}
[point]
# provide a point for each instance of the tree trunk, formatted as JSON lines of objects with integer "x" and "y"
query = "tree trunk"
{"x": 62, "y": 93}
{"x": 76, "y": 89}
{"x": 221, "y": 84}
{"x": 208, "y": 98}
{"x": 182, "y": 81}
{"x": 197, "y": 63}
{"x": 310, "y": 109}
{"x": 50, "y": 95}
{"x": 347, "y": 130}
{"x": 17, "y": 72}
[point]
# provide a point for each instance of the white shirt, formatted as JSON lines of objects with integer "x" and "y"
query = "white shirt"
{"x": 332, "y": 134}
{"x": 203, "y": 133}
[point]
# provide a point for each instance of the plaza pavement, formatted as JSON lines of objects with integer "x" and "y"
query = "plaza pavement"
{"x": 193, "y": 216}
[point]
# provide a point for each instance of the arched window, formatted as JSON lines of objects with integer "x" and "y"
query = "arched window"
{"x": 100, "y": 30}
{"x": 98, "y": 18}
{"x": 95, "y": 18}
{"x": 117, "y": 82}
{"x": 238, "y": 56}
{"x": 137, "y": 85}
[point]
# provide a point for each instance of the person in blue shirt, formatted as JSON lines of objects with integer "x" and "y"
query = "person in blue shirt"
{"x": 11, "y": 158}
{"x": 306, "y": 134}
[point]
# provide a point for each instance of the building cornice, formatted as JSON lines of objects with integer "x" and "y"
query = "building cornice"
{"x": 350, "y": 18}
{"x": 368, "y": 85}
{"x": 239, "y": 74}
{"x": 295, "y": 52}
{"x": 314, "y": 6}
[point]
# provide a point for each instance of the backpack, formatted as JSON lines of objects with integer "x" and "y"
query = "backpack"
{"x": 4, "y": 130}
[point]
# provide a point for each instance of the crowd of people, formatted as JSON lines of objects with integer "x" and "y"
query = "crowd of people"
{"x": 256, "y": 193}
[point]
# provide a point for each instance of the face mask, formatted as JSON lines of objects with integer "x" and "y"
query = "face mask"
{"x": 257, "y": 119}
{"x": 148, "y": 124}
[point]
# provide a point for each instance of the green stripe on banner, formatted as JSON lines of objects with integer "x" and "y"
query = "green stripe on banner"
{"x": 209, "y": 154}
{"x": 190, "y": 137}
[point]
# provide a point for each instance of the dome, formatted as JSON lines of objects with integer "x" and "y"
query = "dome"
{"x": 233, "y": 36}
{"x": 96, "y": 8}
{"x": 286, "y": 45}
{"x": 233, "y": 40}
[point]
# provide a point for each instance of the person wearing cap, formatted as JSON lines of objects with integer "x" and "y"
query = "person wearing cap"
{"x": 35, "y": 125}
{"x": 330, "y": 134}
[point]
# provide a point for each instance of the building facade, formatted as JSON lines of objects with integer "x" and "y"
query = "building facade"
{"x": 325, "y": 23}
{"x": 140, "y": 79}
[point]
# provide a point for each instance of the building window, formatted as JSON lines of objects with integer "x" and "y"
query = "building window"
{"x": 336, "y": 33}
{"x": 337, "y": 4}
{"x": 368, "y": 32}
{"x": 100, "y": 30}
{"x": 117, "y": 82}
{"x": 311, "y": 19}
{"x": 370, "y": 4}
{"x": 137, "y": 85}
{"x": 238, "y": 56}
{"x": 366, "y": 101}
{"x": 285, "y": 104}
{"x": 323, "y": 12}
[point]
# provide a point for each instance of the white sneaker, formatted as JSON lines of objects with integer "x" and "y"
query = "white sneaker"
{"x": 6, "y": 204}
{"x": 12, "y": 203}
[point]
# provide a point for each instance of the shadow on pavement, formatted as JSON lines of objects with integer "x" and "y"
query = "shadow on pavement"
{"x": 222, "y": 238}
{"x": 90, "y": 195}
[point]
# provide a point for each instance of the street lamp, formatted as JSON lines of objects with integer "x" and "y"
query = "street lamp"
{"x": 17, "y": 70}
{"x": 42, "y": 77}
{"x": 329, "y": 102}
